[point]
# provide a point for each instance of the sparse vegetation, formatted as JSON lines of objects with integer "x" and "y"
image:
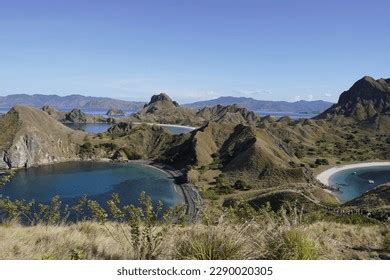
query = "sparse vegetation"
{"x": 236, "y": 232}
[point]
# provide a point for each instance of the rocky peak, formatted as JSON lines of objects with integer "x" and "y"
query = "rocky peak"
{"x": 76, "y": 116}
{"x": 115, "y": 112}
{"x": 162, "y": 98}
{"x": 366, "y": 99}
{"x": 120, "y": 129}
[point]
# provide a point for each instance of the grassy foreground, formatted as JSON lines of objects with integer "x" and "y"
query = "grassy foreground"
{"x": 266, "y": 235}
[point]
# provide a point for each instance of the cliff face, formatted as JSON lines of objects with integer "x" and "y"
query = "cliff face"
{"x": 366, "y": 102}
{"x": 37, "y": 139}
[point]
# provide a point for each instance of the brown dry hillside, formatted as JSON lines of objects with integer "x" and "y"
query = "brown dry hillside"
{"x": 33, "y": 137}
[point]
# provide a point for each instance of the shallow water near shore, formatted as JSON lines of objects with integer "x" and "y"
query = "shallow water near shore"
{"x": 94, "y": 128}
{"x": 356, "y": 181}
{"x": 98, "y": 180}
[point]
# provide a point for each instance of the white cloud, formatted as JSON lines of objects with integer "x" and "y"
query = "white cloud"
{"x": 328, "y": 94}
{"x": 250, "y": 93}
{"x": 297, "y": 98}
{"x": 310, "y": 97}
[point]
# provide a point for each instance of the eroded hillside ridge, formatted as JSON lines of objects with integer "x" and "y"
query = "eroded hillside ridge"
{"x": 37, "y": 139}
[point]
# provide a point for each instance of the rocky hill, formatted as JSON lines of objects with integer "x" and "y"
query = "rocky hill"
{"x": 31, "y": 137}
{"x": 240, "y": 152}
{"x": 73, "y": 116}
{"x": 68, "y": 102}
{"x": 162, "y": 109}
{"x": 229, "y": 114}
{"x": 367, "y": 102}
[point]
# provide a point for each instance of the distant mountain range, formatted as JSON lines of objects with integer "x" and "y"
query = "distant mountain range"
{"x": 69, "y": 102}
{"x": 104, "y": 103}
{"x": 266, "y": 106}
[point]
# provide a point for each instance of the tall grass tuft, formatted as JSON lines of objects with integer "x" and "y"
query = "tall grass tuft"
{"x": 212, "y": 243}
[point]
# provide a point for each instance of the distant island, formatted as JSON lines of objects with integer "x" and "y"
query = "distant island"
{"x": 301, "y": 106}
{"x": 104, "y": 103}
{"x": 69, "y": 102}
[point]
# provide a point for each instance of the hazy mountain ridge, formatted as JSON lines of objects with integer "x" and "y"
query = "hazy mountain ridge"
{"x": 90, "y": 102}
{"x": 263, "y": 105}
{"x": 68, "y": 102}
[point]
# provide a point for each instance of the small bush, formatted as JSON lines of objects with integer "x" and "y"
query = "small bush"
{"x": 294, "y": 245}
{"x": 321, "y": 161}
{"x": 241, "y": 185}
{"x": 386, "y": 242}
{"x": 212, "y": 243}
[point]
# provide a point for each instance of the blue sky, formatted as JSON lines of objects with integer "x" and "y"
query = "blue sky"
{"x": 192, "y": 49}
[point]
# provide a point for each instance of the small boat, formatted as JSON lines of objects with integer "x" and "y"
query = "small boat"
{"x": 371, "y": 181}
{"x": 354, "y": 173}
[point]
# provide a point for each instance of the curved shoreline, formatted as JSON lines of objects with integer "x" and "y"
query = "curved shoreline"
{"x": 324, "y": 176}
{"x": 191, "y": 196}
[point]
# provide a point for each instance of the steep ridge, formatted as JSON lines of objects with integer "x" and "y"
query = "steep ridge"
{"x": 367, "y": 103}
{"x": 35, "y": 138}
{"x": 240, "y": 152}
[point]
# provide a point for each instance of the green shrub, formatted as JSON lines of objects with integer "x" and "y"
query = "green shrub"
{"x": 321, "y": 161}
{"x": 212, "y": 243}
{"x": 241, "y": 185}
{"x": 386, "y": 242}
{"x": 295, "y": 245}
{"x": 77, "y": 254}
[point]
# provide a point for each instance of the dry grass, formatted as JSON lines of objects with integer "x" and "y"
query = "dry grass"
{"x": 253, "y": 240}
{"x": 58, "y": 242}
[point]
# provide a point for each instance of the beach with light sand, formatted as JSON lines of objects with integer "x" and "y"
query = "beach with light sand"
{"x": 324, "y": 176}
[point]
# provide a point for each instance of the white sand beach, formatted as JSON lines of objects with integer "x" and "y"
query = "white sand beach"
{"x": 324, "y": 176}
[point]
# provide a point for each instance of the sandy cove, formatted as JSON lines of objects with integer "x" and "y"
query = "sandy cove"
{"x": 324, "y": 176}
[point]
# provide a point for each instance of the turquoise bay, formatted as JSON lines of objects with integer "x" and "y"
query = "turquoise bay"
{"x": 98, "y": 180}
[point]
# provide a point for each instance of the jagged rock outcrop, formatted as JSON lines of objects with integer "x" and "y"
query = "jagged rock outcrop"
{"x": 229, "y": 114}
{"x": 115, "y": 112}
{"x": 74, "y": 116}
{"x": 120, "y": 129}
{"x": 161, "y": 109}
{"x": 367, "y": 102}
{"x": 32, "y": 137}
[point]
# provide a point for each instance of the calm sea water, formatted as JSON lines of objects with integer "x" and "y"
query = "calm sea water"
{"x": 97, "y": 180}
{"x": 353, "y": 185}
{"x": 91, "y": 128}
{"x": 94, "y": 128}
